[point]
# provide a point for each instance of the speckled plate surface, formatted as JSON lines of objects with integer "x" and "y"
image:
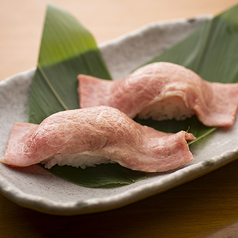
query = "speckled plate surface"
{"x": 35, "y": 188}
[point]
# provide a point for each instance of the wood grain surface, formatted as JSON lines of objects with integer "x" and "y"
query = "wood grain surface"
{"x": 205, "y": 207}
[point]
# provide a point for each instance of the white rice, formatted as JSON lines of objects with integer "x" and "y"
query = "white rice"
{"x": 166, "y": 109}
{"x": 75, "y": 160}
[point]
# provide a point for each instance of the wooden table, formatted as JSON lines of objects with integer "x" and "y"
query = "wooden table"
{"x": 205, "y": 207}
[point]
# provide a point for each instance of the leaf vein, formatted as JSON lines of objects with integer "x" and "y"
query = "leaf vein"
{"x": 52, "y": 88}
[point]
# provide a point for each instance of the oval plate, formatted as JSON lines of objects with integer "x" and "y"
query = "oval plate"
{"x": 35, "y": 188}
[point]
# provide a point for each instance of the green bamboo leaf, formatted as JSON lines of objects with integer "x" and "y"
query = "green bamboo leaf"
{"x": 68, "y": 49}
{"x": 212, "y": 52}
{"x": 192, "y": 125}
{"x": 100, "y": 176}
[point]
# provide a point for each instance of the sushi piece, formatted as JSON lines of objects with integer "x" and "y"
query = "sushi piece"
{"x": 83, "y": 137}
{"x": 163, "y": 91}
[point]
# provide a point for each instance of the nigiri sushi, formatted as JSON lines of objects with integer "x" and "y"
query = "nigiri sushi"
{"x": 102, "y": 133}
{"x": 163, "y": 91}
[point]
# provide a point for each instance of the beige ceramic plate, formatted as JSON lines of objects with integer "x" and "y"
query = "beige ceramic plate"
{"x": 37, "y": 189}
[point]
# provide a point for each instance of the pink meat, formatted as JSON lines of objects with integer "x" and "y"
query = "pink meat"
{"x": 163, "y": 91}
{"x": 102, "y": 131}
